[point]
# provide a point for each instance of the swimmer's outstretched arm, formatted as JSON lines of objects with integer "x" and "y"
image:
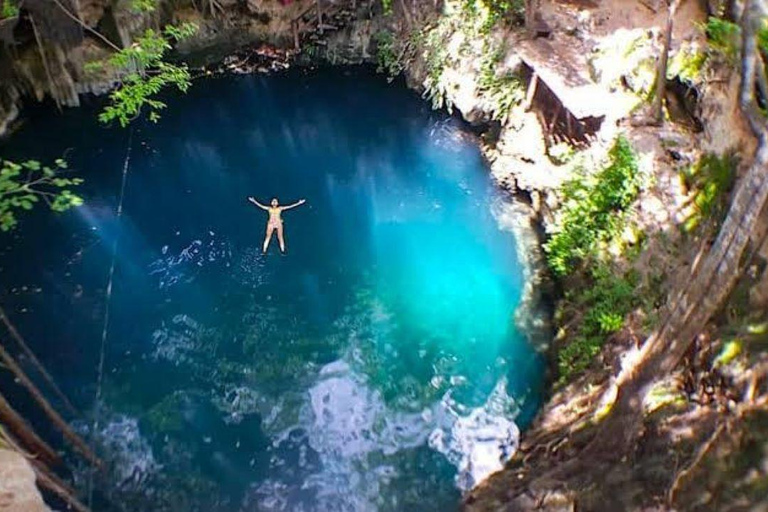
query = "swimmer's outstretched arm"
{"x": 294, "y": 205}
{"x": 254, "y": 201}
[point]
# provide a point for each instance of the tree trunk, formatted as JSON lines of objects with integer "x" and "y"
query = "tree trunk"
{"x": 661, "y": 71}
{"x": 36, "y": 362}
{"x": 25, "y": 435}
{"x": 530, "y": 17}
{"x": 407, "y": 14}
{"x": 56, "y": 419}
{"x": 707, "y": 287}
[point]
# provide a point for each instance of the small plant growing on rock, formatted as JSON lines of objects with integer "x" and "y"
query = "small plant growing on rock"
{"x": 687, "y": 64}
{"x": 723, "y": 36}
{"x": 502, "y": 90}
{"x": 9, "y": 9}
{"x": 143, "y": 5}
{"x": 387, "y": 60}
{"x": 561, "y": 153}
{"x": 709, "y": 180}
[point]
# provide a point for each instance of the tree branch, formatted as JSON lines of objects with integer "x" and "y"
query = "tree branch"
{"x": 86, "y": 27}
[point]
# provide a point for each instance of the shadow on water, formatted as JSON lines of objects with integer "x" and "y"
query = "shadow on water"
{"x": 375, "y": 366}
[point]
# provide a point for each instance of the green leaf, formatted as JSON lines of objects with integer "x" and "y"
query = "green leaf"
{"x": 20, "y": 193}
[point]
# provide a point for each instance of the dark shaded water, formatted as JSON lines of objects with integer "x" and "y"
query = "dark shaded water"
{"x": 376, "y": 366}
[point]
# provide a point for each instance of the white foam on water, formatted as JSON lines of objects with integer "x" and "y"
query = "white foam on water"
{"x": 345, "y": 422}
{"x": 350, "y": 419}
{"x": 128, "y": 455}
{"x": 479, "y": 443}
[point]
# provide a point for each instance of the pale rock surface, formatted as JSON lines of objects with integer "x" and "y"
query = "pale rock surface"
{"x": 18, "y": 492}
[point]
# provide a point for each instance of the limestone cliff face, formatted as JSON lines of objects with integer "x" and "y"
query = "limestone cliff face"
{"x": 43, "y": 52}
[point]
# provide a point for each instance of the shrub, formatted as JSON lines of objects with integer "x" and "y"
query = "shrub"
{"x": 723, "y": 36}
{"x": 605, "y": 303}
{"x": 503, "y": 91}
{"x": 492, "y": 11}
{"x": 9, "y": 9}
{"x": 387, "y": 60}
{"x": 594, "y": 210}
{"x": 139, "y": 6}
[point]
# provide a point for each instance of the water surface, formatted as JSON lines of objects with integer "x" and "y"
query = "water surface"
{"x": 375, "y": 366}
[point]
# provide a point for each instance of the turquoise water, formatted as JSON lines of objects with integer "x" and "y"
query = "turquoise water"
{"x": 375, "y": 366}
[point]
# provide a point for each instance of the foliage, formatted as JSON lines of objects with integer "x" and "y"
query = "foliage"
{"x": 493, "y": 11}
{"x": 594, "y": 210}
{"x": 386, "y": 57}
{"x": 723, "y": 36}
{"x": 687, "y": 64}
{"x": 710, "y": 179}
{"x": 561, "y": 153}
{"x": 386, "y": 6}
{"x": 605, "y": 303}
{"x": 144, "y": 74}
{"x": 762, "y": 37}
{"x": 24, "y": 184}
{"x": 471, "y": 23}
{"x": 436, "y": 56}
{"x": 730, "y": 351}
{"x": 504, "y": 90}
{"x": 9, "y": 9}
{"x": 143, "y": 5}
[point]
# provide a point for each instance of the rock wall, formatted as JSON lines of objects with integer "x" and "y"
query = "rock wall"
{"x": 44, "y": 60}
{"x": 18, "y": 492}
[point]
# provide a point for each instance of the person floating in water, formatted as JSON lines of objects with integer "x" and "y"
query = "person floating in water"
{"x": 275, "y": 222}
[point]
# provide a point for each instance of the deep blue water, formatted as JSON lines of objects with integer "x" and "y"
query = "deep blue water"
{"x": 375, "y": 366}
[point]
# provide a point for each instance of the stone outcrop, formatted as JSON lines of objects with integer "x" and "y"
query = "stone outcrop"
{"x": 18, "y": 492}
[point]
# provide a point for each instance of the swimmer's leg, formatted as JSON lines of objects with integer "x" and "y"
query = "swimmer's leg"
{"x": 280, "y": 237}
{"x": 267, "y": 238}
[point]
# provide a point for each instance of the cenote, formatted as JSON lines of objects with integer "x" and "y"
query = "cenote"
{"x": 375, "y": 366}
